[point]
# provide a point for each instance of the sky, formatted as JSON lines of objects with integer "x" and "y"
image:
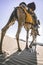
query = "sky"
{"x": 6, "y": 8}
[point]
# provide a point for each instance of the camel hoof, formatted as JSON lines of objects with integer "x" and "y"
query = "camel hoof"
{"x": 27, "y": 48}
{"x": 1, "y": 52}
{"x": 19, "y": 50}
{"x": 30, "y": 46}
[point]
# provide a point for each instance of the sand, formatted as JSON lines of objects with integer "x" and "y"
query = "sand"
{"x": 25, "y": 57}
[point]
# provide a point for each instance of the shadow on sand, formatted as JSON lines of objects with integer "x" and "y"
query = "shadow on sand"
{"x": 24, "y": 57}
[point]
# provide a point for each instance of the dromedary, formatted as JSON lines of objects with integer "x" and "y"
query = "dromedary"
{"x": 19, "y": 14}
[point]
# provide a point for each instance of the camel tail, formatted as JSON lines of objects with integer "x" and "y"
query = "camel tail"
{"x": 13, "y": 15}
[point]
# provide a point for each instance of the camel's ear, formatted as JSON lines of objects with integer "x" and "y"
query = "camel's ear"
{"x": 32, "y": 6}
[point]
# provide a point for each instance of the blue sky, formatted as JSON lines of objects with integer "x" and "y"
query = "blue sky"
{"x": 6, "y": 8}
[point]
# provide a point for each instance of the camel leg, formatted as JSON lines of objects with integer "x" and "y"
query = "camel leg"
{"x": 27, "y": 39}
{"x": 3, "y": 31}
{"x": 32, "y": 41}
{"x": 17, "y": 36}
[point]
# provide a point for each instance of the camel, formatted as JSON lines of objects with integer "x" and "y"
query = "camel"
{"x": 19, "y": 14}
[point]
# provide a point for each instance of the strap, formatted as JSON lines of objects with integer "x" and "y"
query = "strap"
{"x": 29, "y": 23}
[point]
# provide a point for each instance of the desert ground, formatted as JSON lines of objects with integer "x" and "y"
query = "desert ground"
{"x": 25, "y": 57}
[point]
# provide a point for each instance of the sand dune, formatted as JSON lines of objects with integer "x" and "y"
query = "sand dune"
{"x": 25, "y": 57}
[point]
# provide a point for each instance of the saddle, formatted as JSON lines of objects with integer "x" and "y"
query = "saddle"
{"x": 29, "y": 18}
